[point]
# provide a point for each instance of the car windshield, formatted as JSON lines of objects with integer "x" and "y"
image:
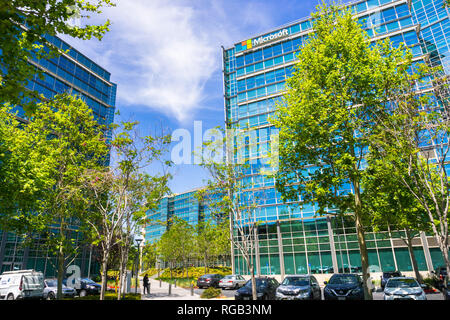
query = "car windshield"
{"x": 402, "y": 283}
{"x": 341, "y": 279}
{"x": 52, "y": 283}
{"x": 259, "y": 283}
{"x": 296, "y": 281}
{"x": 88, "y": 281}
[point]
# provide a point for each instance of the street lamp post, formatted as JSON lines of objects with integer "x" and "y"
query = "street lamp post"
{"x": 138, "y": 243}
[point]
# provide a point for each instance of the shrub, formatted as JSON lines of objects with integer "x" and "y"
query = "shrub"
{"x": 211, "y": 293}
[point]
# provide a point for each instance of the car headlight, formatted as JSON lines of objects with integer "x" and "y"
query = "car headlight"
{"x": 259, "y": 295}
{"x": 388, "y": 293}
{"x": 356, "y": 291}
{"x": 302, "y": 292}
{"x": 419, "y": 293}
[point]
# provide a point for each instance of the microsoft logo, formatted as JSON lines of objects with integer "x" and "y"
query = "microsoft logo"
{"x": 263, "y": 39}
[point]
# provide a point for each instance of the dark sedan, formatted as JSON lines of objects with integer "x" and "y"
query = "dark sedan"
{"x": 387, "y": 275}
{"x": 265, "y": 289}
{"x": 209, "y": 280}
{"x": 344, "y": 287}
{"x": 84, "y": 287}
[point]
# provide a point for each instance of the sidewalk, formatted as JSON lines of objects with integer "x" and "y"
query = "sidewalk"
{"x": 157, "y": 293}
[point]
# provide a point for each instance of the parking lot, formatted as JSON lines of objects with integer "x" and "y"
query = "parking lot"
{"x": 376, "y": 295}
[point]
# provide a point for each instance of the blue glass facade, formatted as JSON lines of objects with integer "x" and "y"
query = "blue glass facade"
{"x": 185, "y": 206}
{"x": 292, "y": 239}
{"x": 74, "y": 73}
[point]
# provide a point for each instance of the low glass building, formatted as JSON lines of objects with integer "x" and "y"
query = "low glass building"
{"x": 78, "y": 75}
{"x": 291, "y": 238}
{"x": 186, "y": 206}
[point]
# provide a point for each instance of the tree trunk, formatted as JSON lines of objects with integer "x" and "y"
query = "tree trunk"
{"x": 415, "y": 266}
{"x": 61, "y": 259}
{"x": 104, "y": 275}
{"x": 254, "y": 293}
{"x": 59, "y": 294}
{"x": 443, "y": 245}
{"x": 187, "y": 271}
{"x": 362, "y": 243}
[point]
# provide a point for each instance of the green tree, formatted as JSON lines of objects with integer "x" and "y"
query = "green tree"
{"x": 391, "y": 206}
{"x": 68, "y": 141}
{"x": 413, "y": 138}
{"x": 238, "y": 208}
{"x": 23, "y": 173}
{"x": 24, "y": 25}
{"x": 149, "y": 255}
{"x": 204, "y": 242}
{"x": 177, "y": 243}
{"x": 325, "y": 117}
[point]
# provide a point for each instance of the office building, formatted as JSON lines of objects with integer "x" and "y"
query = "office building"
{"x": 78, "y": 75}
{"x": 291, "y": 238}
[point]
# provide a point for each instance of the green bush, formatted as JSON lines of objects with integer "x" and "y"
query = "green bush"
{"x": 97, "y": 278}
{"x": 211, "y": 293}
{"x": 429, "y": 281}
{"x": 150, "y": 272}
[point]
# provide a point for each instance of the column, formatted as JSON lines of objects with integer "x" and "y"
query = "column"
{"x": 332, "y": 247}
{"x": 426, "y": 251}
{"x": 280, "y": 250}
{"x": 257, "y": 258}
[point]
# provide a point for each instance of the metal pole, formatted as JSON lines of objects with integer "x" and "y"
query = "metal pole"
{"x": 90, "y": 259}
{"x": 170, "y": 289}
{"x": 136, "y": 273}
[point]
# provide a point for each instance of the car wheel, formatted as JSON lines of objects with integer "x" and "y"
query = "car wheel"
{"x": 51, "y": 296}
{"x": 83, "y": 293}
{"x": 10, "y": 297}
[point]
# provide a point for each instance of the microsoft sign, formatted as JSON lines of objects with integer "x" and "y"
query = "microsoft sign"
{"x": 263, "y": 39}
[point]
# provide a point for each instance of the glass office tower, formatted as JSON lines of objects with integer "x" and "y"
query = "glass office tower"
{"x": 291, "y": 238}
{"x": 186, "y": 206}
{"x": 74, "y": 73}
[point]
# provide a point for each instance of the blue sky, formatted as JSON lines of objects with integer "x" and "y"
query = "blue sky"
{"x": 165, "y": 57}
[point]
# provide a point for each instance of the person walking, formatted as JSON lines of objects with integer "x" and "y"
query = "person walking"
{"x": 146, "y": 284}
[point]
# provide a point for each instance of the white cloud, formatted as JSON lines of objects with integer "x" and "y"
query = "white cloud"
{"x": 162, "y": 53}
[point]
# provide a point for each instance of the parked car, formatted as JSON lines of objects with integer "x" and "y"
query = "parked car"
{"x": 84, "y": 286}
{"x": 21, "y": 284}
{"x": 446, "y": 288}
{"x": 404, "y": 288}
{"x": 232, "y": 281}
{"x": 265, "y": 289}
{"x": 386, "y": 275}
{"x": 346, "y": 286}
{"x": 299, "y": 287}
{"x": 209, "y": 280}
{"x": 51, "y": 289}
{"x": 438, "y": 276}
